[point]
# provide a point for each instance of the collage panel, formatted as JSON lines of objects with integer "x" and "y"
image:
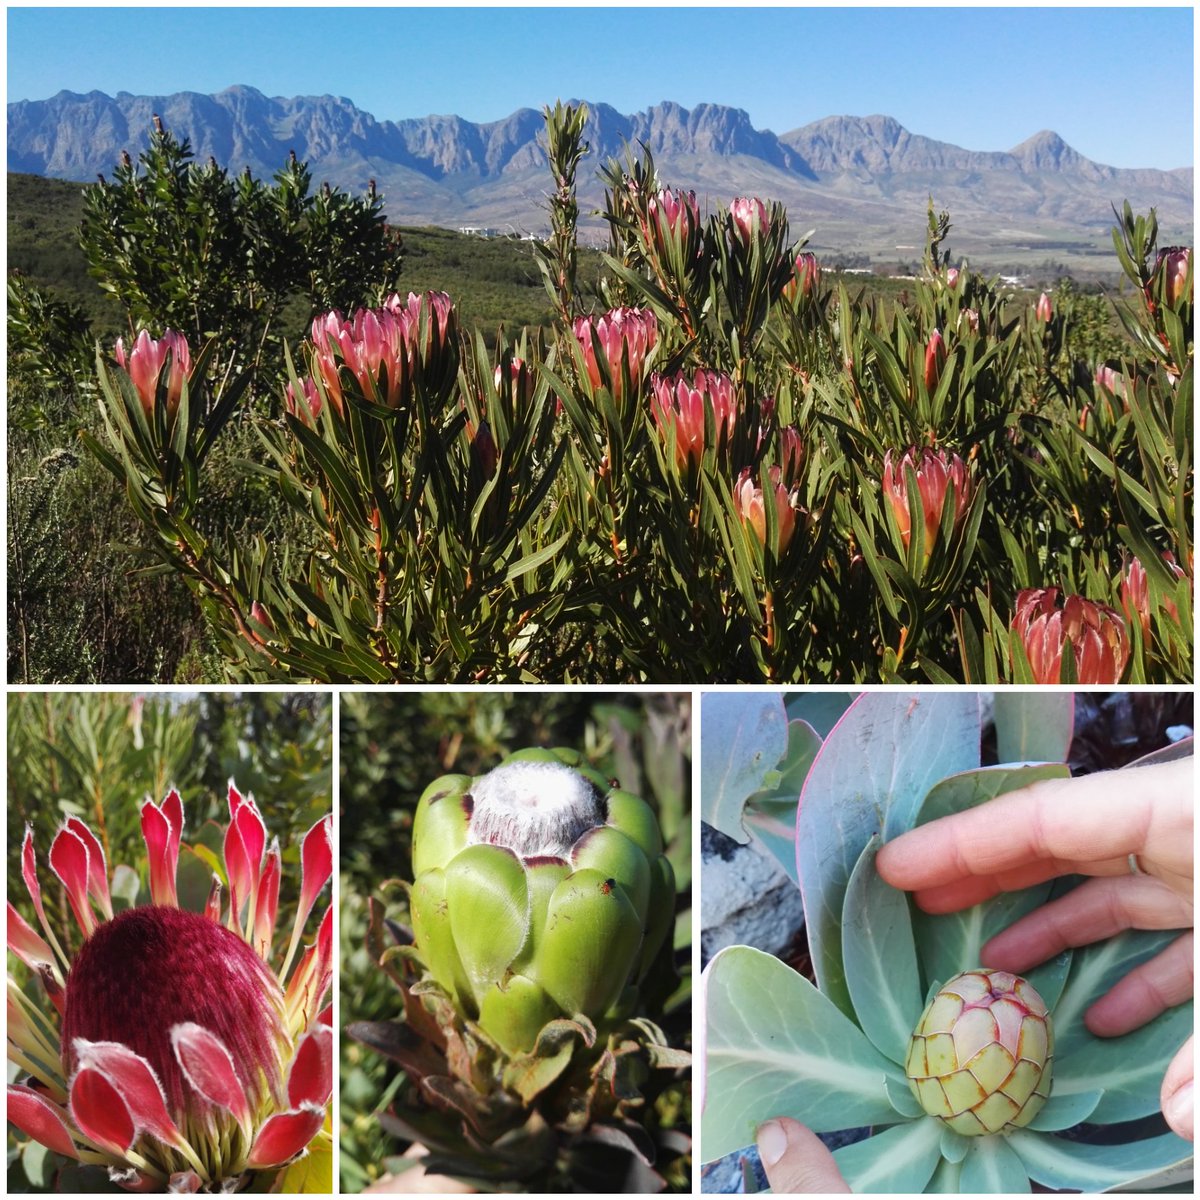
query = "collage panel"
{"x": 170, "y": 937}
{"x": 515, "y": 905}
{"x": 947, "y": 940}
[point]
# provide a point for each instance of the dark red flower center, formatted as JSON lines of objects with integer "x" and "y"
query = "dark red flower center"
{"x": 149, "y": 969}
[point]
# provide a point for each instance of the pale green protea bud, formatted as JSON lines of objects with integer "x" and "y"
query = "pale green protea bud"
{"x": 981, "y": 1055}
{"x": 540, "y": 891}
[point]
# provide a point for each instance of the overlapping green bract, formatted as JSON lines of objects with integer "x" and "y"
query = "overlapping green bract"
{"x": 982, "y": 1054}
{"x": 521, "y": 922}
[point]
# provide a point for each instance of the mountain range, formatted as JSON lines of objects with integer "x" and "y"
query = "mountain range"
{"x": 861, "y": 183}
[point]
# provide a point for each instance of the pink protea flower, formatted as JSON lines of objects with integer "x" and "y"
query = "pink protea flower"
{"x": 1174, "y": 263}
{"x": 185, "y": 1057}
{"x": 308, "y": 405}
{"x": 748, "y": 497}
{"x": 1135, "y": 593}
{"x": 1045, "y": 309}
{"x": 942, "y": 478}
{"x": 625, "y": 335}
{"x": 748, "y": 217}
{"x": 680, "y": 405}
{"x": 806, "y": 277}
{"x": 1096, "y": 632}
{"x": 971, "y": 317}
{"x": 672, "y": 219}
{"x": 935, "y": 359}
{"x": 514, "y": 374}
{"x": 952, "y": 274}
{"x": 145, "y": 361}
{"x": 791, "y": 455}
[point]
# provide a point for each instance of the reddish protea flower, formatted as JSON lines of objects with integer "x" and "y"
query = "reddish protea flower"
{"x": 748, "y": 496}
{"x": 680, "y": 404}
{"x": 935, "y": 359}
{"x": 806, "y": 277}
{"x": 306, "y": 406}
{"x": 971, "y": 317}
{"x": 514, "y": 374}
{"x": 145, "y": 361}
{"x": 1045, "y": 309}
{"x": 626, "y": 335}
{"x": 791, "y": 455}
{"x": 748, "y": 218}
{"x": 952, "y": 276}
{"x": 1174, "y": 265}
{"x": 1096, "y": 632}
{"x": 942, "y": 478}
{"x": 1135, "y": 593}
{"x": 672, "y": 219}
{"x": 185, "y": 1057}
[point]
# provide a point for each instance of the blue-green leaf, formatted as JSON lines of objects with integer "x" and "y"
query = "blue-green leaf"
{"x": 1034, "y": 726}
{"x": 991, "y": 1167}
{"x": 1080, "y": 1166}
{"x": 902, "y": 1159}
{"x": 742, "y": 737}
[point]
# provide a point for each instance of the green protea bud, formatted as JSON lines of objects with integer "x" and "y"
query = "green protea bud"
{"x": 541, "y": 891}
{"x": 981, "y": 1055}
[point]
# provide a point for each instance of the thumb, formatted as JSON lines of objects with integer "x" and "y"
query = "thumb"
{"x": 796, "y": 1160}
{"x": 1178, "y": 1104}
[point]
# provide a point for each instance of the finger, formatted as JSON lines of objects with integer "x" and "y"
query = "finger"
{"x": 1147, "y": 990}
{"x": 1178, "y": 1103}
{"x": 962, "y": 893}
{"x": 1095, "y": 910}
{"x": 796, "y": 1160}
{"x": 1093, "y": 819}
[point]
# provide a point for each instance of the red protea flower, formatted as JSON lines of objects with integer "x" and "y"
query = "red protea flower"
{"x": 144, "y": 364}
{"x": 935, "y": 359}
{"x": 942, "y": 478}
{"x": 185, "y": 1058}
{"x": 1174, "y": 264}
{"x": 626, "y": 335}
{"x": 748, "y": 497}
{"x": 1096, "y": 633}
{"x": 1045, "y": 309}
{"x": 306, "y": 406}
{"x": 681, "y": 405}
{"x": 1135, "y": 593}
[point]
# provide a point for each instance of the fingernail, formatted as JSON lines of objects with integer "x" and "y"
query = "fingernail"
{"x": 1177, "y": 1110}
{"x": 772, "y": 1142}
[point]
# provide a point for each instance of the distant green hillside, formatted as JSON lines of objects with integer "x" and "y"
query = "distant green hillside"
{"x": 494, "y": 281}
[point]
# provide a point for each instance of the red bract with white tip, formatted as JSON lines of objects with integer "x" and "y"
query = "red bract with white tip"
{"x": 185, "y": 1056}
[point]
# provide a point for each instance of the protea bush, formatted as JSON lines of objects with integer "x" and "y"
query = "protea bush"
{"x": 179, "y": 1051}
{"x": 938, "y": 1074}
{"x": 532, "y": 970}
{"x": 586, "y": 518}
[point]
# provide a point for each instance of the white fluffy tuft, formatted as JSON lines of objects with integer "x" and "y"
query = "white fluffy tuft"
{"x": 534, "y": 808}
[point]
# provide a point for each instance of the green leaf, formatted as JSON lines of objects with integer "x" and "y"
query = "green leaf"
{"x": 1034, "y": 726}
{"x": 1084, "y": 1167}
{"x": 992, "y": 1167}
{"x": 743, "y": 736}
{"x": 775, "y": 1046}
{"x": 898, "y": 1160}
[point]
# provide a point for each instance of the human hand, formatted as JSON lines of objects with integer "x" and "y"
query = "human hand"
{"x": 1087, "y": 826}
{"x": 796, "y": 1160}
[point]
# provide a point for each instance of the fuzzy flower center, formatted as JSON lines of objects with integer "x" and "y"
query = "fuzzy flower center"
{"x": 150, "y": 969}
{"x": 534, "y": 808}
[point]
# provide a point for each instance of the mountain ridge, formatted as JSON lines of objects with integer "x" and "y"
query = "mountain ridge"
{"x": 842, "y": 173}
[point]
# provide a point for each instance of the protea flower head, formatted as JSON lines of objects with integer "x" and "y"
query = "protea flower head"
{"x": 145, "y": 361}
{"x": 935, "y": 359}
{"x": 952, "y": 277}
{"x": 540, "y": 892}
{"x": 672, "y": 220}
{"x": 1096, "y": 632}
{"x": 748, "y": 218}
{"x": 806, "y": 277}
{"x": 1174, "y": 265}
{"x": 306, "y": 406}
{"x": 626, "y": 336}
{"x": 748, "y": 497}
{"x": 513, "y": 373}
{"x": 681, "y": 405}
{"x": 1135, "y": 593}
{"x": 942, "y": 478}
{"x": 982, "y": 1054}
{"x": 184, "y": 1057}
{"x": 1045, "y": 309}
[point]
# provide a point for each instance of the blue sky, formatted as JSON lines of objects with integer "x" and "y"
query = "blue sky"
{"x": 1115, "y": 83}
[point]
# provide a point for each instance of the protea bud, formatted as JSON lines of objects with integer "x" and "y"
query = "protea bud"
{"x": 748, "y": 497}
{"x": 1045, "y": 309}
{"x": 1096, "y": 632}
{"x": 186, "y": 1060}
{"x": 1135, "y": 593}
{"x": 806, "y": 278}
{"x": 982, "y": 1054}
{"x": 1173, "y": 265}
{"x": 144, "y": 364}
{"x": 748, "y": 219}
{"x": 513, "y": 373}
{"x": 541, "y": 891}
{"x": 1114, "y": 383}
{"x": 935, "y": 359}
{"x": 307, "y": 407}
{"x": 626, "y": 336}
{"x": 952, "y": 276}
{"x": 672, "y": 220}
{"x": 791, "y": 455}
{"x": 680, "y": 405}
{"x": 942, "y": 478}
